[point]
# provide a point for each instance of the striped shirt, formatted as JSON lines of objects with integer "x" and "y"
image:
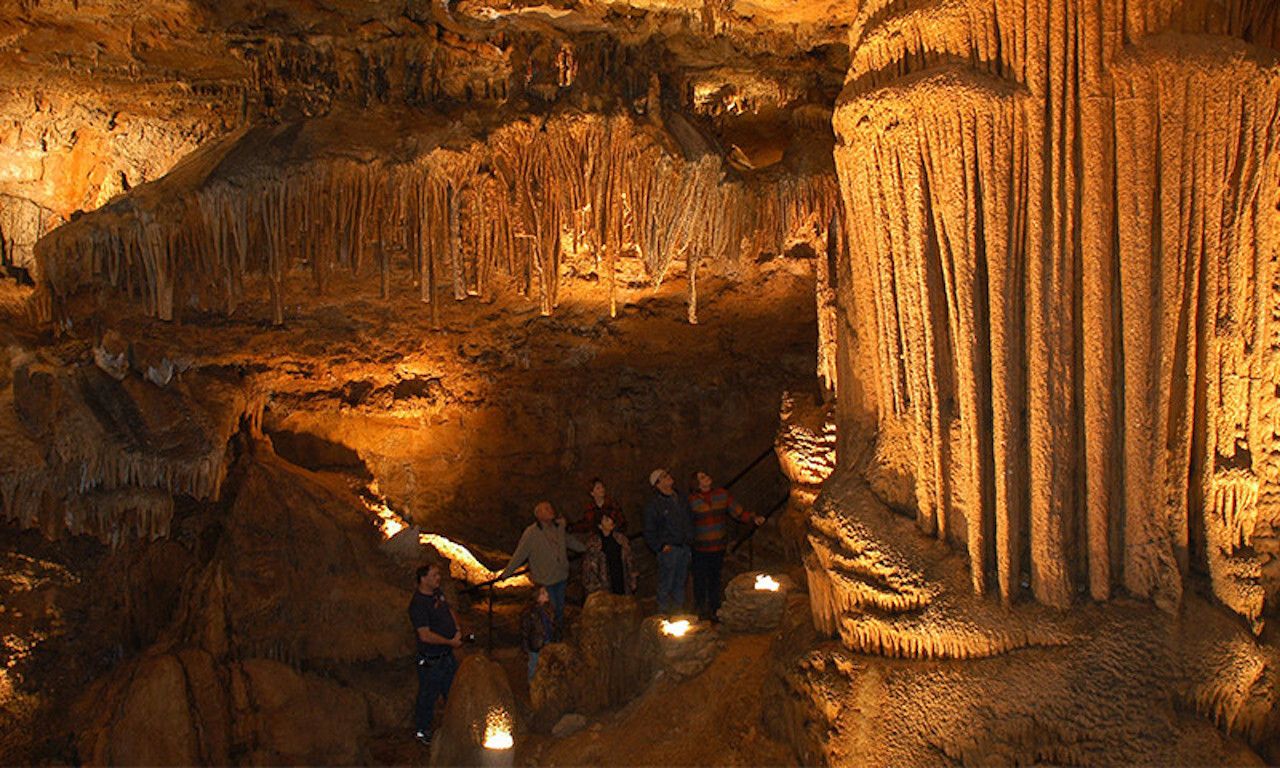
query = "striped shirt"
{"x": 711, "y": 511}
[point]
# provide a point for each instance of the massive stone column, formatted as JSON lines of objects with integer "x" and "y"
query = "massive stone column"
{"x": 1062, "y": 309}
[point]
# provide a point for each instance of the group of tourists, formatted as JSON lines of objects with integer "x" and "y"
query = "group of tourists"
{"x": 685, "y": 532}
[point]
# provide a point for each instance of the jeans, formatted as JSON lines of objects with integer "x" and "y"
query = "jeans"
{"x": 435, "y": 676}
{"x": 706, "y": 582}
{"x": 556, "y": 593}
{"x": 533, "y": 663}
{"x": 673, "y": 568}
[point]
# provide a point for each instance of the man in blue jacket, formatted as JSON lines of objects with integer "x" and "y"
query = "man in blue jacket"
{"x": 668, "y": 530}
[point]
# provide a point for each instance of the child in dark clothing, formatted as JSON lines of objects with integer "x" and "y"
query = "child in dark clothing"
{"x": 538, "y": 627}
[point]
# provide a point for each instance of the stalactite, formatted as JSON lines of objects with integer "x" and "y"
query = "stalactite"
{"x": 91, "y": 472}
{"x": 499, "y": 208}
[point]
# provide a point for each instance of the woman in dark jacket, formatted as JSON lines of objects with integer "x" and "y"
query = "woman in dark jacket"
{"x": 537, "y": 627}
{"x": 598, "y": 505}
{"x": 607, "y": 563}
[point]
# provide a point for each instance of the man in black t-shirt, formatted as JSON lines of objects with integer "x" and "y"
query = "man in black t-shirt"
{"x": 437, "y": 630}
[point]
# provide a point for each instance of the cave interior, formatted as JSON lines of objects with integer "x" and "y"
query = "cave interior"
{"x": 297, "y": 296}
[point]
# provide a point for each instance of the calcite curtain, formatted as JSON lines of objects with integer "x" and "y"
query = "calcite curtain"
{"x": 1062, "y": 235}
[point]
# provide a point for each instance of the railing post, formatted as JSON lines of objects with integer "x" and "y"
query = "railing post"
{"x": 490, "y": 641}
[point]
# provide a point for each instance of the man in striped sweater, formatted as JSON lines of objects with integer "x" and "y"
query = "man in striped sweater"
{"x": 712, "y": 507}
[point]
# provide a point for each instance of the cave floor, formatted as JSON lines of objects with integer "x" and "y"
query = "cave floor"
{"x": 673, "y": 722}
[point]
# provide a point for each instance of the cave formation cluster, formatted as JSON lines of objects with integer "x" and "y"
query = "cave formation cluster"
{"x": 1038, "y": 408}
{"x": 1067, "y": 277}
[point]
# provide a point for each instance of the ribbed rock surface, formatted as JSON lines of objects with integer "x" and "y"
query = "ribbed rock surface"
{"x": 1060, "y": 286}
{"x": 444, "y": 207}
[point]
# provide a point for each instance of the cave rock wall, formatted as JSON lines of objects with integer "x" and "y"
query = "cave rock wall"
{"x": 1060, "y": 296}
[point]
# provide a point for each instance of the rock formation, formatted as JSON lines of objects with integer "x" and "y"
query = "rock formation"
{"x": 607, "y": 662}
{"x": 265, "y": 266}
{"x": 750, "y": 607}
{"x": 1058, "y": 300}
{"x": 254, "y": 657}
{"x": 446, "y": 213}
{"x": 91, "y": 452}
{"x": 480, "y": 708}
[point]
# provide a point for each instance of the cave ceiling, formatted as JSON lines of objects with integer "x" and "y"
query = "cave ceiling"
{"x": 97, "y": 97}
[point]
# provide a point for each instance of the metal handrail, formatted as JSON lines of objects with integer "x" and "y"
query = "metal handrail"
{"x": 752, "y": 532}
{"x": 767, "y": 452}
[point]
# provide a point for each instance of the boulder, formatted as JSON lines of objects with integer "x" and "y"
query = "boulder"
{"x": 569, "y": 724}
{"x": 685, "y": 655}
{"x": 609, "y": 663}
{"x": 612, "y": 667}
{"x": 295, "y": 718}
{"x": 749, "y": 609}
{"x": 553, "y": 689}
{"x": 480, "y": 703}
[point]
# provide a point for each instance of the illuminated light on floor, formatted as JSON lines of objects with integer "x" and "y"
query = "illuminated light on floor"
{"x": 389, "y": 523}
{"x": 766, "y": 583}
{"x": 675, "y": 628}
{"x": 497, "y": 730}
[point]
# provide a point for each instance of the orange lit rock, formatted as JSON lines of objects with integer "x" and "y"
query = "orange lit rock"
{"x": 1054, "y": 329}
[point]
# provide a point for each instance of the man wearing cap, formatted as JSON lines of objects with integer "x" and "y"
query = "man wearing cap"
{"x": 668, "y": 530}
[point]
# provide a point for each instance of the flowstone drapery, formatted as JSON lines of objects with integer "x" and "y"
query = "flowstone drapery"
{"x": 1062, "y": 237}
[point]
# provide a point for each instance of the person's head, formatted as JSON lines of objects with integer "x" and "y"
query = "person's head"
{"x": 662, "y": 480}
{"x": 429, "y": 578}
{"x": 597, "y": 490}
{"x": 544, "y": 513}
{"x": 541, "y": 596}
{"x": 701, "y": 481}
{"x": 606, "y": 524}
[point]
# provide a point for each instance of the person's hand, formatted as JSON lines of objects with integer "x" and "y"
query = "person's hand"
{"x": 759, "y": 520}
{"x": 666, "y": 548}
{"x": 456, "y": 642}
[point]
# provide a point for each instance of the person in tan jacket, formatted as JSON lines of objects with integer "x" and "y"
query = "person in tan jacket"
{"x": 544, "y": 546}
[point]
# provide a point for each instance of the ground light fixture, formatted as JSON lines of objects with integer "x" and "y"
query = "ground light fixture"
{"x": 675, "y": 628}
{"x": 497, "y": 730}
{"x": 766, "y": 583}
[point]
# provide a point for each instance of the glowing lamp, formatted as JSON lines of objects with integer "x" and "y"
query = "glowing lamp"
{"x": 766, "y": 583}
{"x": 498, "y": 739}
{"x": 675, "y": 628}
{"x": 497, "y": 731}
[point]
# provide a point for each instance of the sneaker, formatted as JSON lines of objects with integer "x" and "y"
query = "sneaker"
{"x": 423, "y": 738}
